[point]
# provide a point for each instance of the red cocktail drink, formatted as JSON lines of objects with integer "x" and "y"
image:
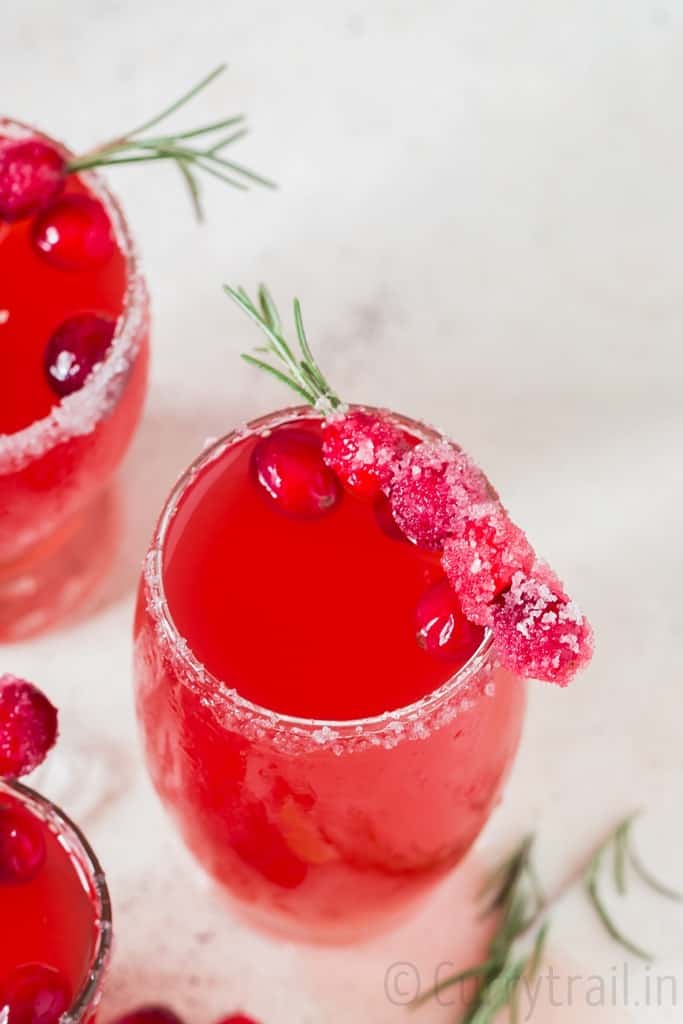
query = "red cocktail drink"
{"x": 54, "y": 905}
{"x": 74, "y": 338}
{"x": 328, "y": 730}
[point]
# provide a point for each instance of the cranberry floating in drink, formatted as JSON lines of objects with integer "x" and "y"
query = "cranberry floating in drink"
{"x": 329, "y": 696}
{"x": 74, "y": 340}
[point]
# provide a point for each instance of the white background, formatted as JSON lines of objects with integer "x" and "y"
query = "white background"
{"x": 480, "y": 208}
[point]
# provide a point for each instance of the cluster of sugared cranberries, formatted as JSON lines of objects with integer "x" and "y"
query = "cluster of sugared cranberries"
{"x": 28, "y": 727}
{"x": 70, "y": 232}
{"x": 431, "y": 494}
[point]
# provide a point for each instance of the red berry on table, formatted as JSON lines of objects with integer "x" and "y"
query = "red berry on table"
{"x": 152, "y": 1013}
{"x": 32, "y": 174}
{"x": 441, "y": 626}
{"x": 237, "y": 1018}
{"x": 363, "y": 449}
{"x": 288, "y": 465}
{"x": 482, "y": 559}
{"x": 34, "y": 994}
{"x": 22, "y": 847}
{"x": 28, "y": 726}
{"x": 433, "y": 488}
{"x": 539, "y": 632}
{"x": 74, "y": 233}
{"x": 76, "y": 347}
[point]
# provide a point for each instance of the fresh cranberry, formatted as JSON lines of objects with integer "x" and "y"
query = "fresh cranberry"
{"x": 441, "y": 626}
{"x": 32, "y": 174}
{"x": 385, "y": 519}
{"x": 76, "y": 347}
{"x": 153, "y": 1013}
{"x": 237, "y": 1018}
{"x": 22, "y": 847}
{"x": 74, "y": 233}
{"x": 288, "y": 464}
{"x": 363, "y": 449}
{"x": 34, "y": 994}
{"x": 28, "y": 726}
{"x": 539, "y": 632}
{"x": 434, "y": 487}
{"x": 482, "y": 559}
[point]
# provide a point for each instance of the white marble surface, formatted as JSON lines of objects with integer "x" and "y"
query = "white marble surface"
{"x": 481, "y": 212}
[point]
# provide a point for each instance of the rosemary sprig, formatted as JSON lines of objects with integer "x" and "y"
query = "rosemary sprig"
{"x": 298, "y": 370}
{"x": 620, "y": 845}
{"x": 516, "y": 949}
{"x": 195, "y": 150}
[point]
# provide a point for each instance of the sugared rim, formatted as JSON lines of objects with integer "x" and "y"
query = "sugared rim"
{"x": 194, "y": 672}
{"x": 78, "y": 845}
{"x": 78, "y": 413}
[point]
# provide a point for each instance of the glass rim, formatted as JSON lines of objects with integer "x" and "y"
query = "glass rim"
{"x": 168, "y": 632}
{"x": 80, "y": 412}
{"x": 90, "y": 989}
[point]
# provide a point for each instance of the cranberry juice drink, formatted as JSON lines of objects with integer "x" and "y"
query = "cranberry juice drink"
{"x": 74, "y": 337}
{"x": 321, "y": 763}
{"x": 333, "y": 620}
{"x": 54, "y": 907}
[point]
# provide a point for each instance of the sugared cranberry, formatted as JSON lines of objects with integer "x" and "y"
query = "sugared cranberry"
{"x": 539, "y": 632}
{"x": 32, "y": 174}
{"x": 28, "y": 726}
{"x": 74, "y": 233}
{"x": 482, "y": 559}
{"x": 288, "y": 465}
{"x": 433, "y": 489}
{"x": 385, "y": 519}
{"x": 441, "y": 626}
{"x": 22, "y": 846}
{"x": 363, "y": 449}
{"x": 76, "y": 347}
{"x": 34, "y": 994}
{"x": 153, "y": 1013}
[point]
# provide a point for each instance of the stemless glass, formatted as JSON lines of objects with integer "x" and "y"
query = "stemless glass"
{"x": 320, "y": 830}
{"x": 54, "y": 509}
{"x": 91, "y": 877}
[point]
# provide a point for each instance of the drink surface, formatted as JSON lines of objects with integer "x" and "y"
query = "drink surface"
{"x": 314, "y": 618}
{"x": 36, "y": 297}
{"x": 51, "y": 917}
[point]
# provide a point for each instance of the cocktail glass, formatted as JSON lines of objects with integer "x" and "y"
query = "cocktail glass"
{"x": 320, "y": 830}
